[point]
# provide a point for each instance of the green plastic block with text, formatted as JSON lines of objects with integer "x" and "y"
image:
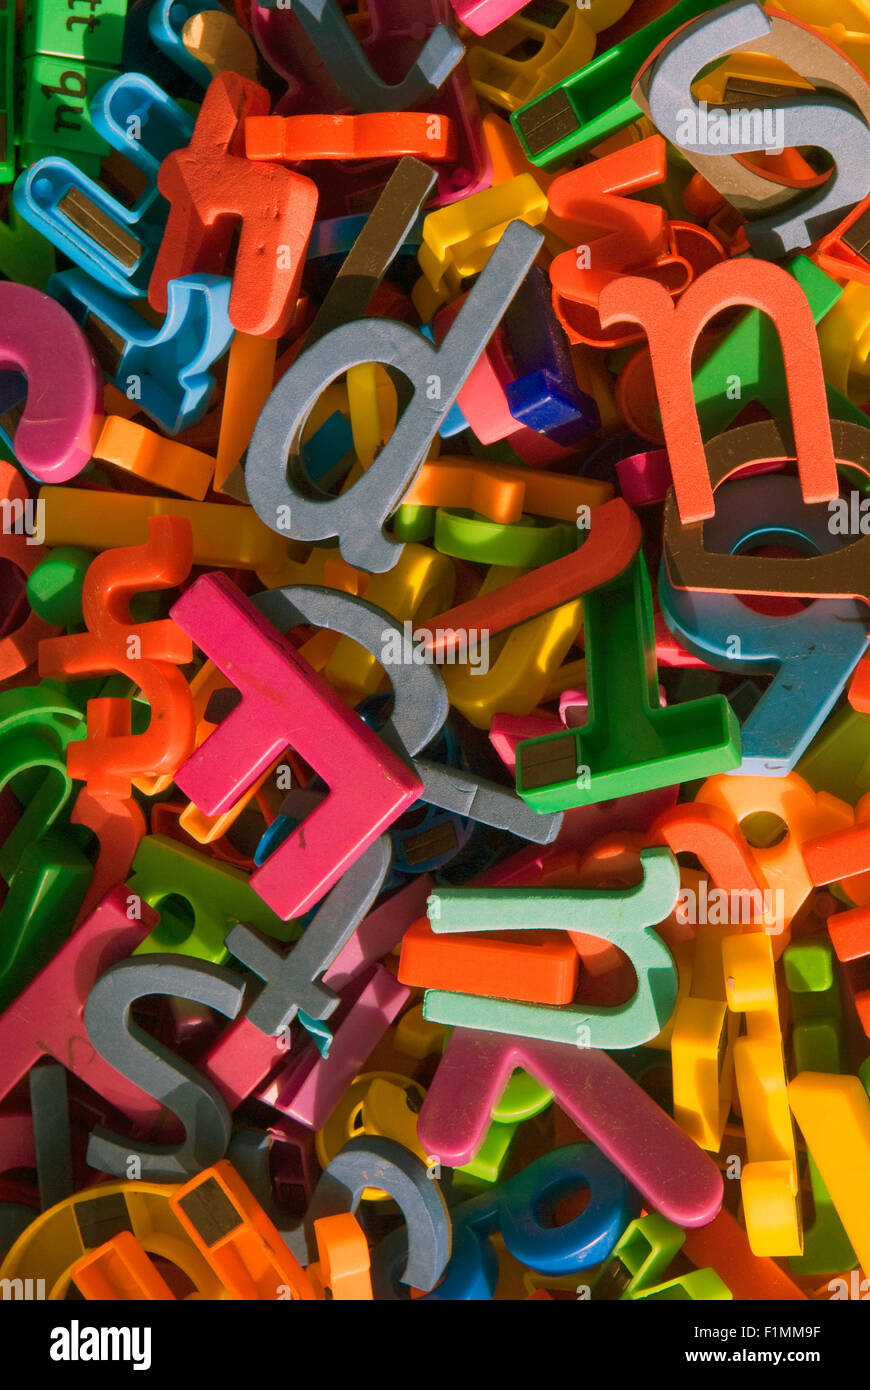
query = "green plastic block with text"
{"x": 90, "y": 30}
{"x": 57, "y": 97}
{"x": 629, "y": 743}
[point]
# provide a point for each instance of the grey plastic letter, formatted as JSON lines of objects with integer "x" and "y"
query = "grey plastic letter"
{"x": 354, "y": 75}
{"x": 196, "y": 1102}
{"x": 292, "y": 979}
{"x": 371, "y": 1161}
{"x": 833, "y": 117}
{"x": 419, "y": 710}
{"x": 285, "y": 498}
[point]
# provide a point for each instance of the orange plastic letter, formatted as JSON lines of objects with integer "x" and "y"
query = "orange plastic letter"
{"x": 673, "y": 330}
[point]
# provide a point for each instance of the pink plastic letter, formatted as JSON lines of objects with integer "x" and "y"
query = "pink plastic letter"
{"x": 63, "y": 413}
{"x": 284, "y": 702}
{"x": 669, "y": 1171}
